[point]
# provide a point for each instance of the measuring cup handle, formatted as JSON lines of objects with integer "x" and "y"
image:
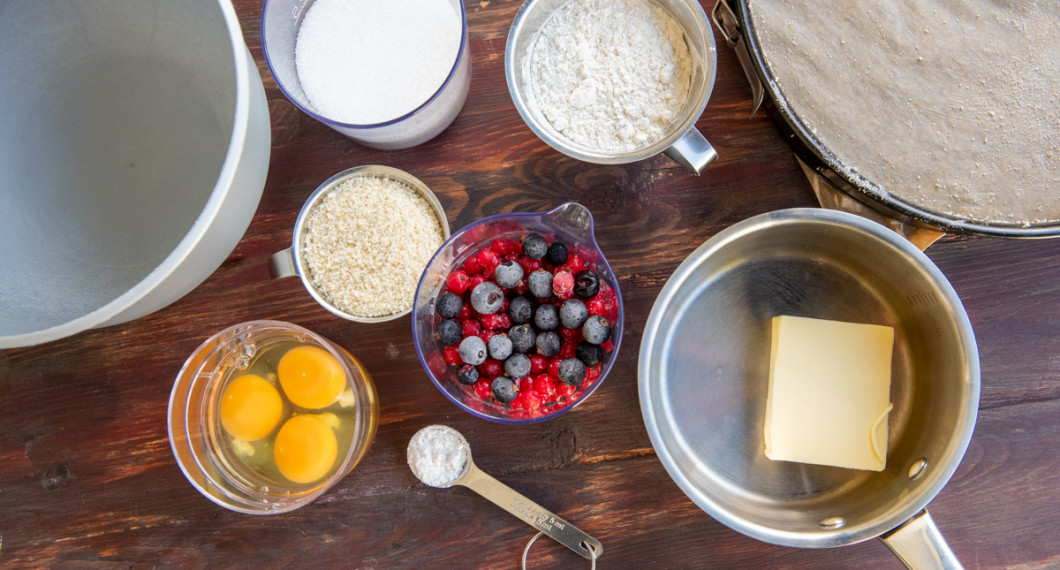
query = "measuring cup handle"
{"x": 692, "y": 151}
{"x": 533, "y": 514}
{"x": 281, "y": 264}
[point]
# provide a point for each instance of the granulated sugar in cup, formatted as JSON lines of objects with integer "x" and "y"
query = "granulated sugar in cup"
{"x": 361, "y": 242}
{"x": 389, "y": 75}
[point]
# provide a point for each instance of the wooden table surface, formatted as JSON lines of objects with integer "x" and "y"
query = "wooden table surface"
{"x": 87, "y": 479}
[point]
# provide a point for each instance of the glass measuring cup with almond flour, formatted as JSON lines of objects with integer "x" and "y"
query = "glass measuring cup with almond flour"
{"x": 613, "y": 82}
{"x": 362, "y": 240}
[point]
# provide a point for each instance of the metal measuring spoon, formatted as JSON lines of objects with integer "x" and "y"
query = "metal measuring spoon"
{"x": 440, "y": 457}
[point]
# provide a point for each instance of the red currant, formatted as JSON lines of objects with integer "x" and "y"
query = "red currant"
{"x": 492, "y": 368}
{"x": 496, "y": 322}
{"x": 545, "y": 386}
{"x": 476, "y": 280}
{"x": 452, "y": 355}
{"x": 570, "y": 335}
{"x": 538, "y": 363}
{"x": 489, "y": 260}
{"x": 532, "y": 399}
{"x": 575, "y": 263}
{"x": 482, "y": 389}
{"x": 553, "y": 367}
{"x": 472, "y": 265}
{"x": 465, "y": 313}
{"x": 563, "y": 284}
{"x": 458, "y": 281}
{"x": 529, "y": 265}
{"x": 471, "y": 327}
{"x": 596, "y": 306}
{"x": 566, "y": 350}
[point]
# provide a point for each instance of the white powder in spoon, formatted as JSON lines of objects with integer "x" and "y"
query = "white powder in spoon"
{"x": 369, "y": 61}
{"x": 438, "y": 455}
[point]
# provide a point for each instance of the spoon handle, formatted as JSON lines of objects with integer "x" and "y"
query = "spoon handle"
{"x": 530, "y": 512}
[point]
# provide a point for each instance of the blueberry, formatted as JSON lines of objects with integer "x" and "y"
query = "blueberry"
{"x": 540, "y": 284}
{"x": 522, "y": 337}
{"x": 572, "y": 313}
{"x": 449, "y": 305}
{"x": 487, "y": 298}
{"x": 467, "y": 374}
{"x": 449, "y": 332}
{"x": 517, "y": 366}
{"x": 548, "y": 343}
{"x": 520, "y": 310}
{"x": 473, "y": 350}
{"x": 557, "y": 254}
{"x": 500, "y": 347}
{"x": 535, "y": 246}
{"x": 596, "y": 329}
{"x": 590, "y": 354}
{"x": 504, "y": 389}
{"x": 572, "y": 371}
{"x": 508, "y": 274}
{"x": 546, "y": 317}
{"x": 586, "y": 284}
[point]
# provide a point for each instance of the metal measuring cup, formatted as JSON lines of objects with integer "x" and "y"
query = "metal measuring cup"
{"x": 291, "y": 261}
{"x": 682, "y": 142}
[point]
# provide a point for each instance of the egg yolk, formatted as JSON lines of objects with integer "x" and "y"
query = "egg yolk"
{"x": 311, "y": 377}
{"x": 250, "y": 407}
{"x": 305, "y": 448}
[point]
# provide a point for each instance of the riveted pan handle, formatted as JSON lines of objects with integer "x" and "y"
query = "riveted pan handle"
{"x": 835, "y": 199}
{"x": 918, "y": 544}
{"x": 728, "y": 24}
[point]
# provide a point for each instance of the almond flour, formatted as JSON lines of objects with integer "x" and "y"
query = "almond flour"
{"x": 366, "y": 244}
{"x": 611, "y": 75}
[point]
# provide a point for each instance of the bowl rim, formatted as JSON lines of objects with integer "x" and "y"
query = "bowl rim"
{"x": 227, "y": 176}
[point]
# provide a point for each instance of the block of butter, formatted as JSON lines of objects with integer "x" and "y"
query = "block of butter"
{"x": 829, "y": 393}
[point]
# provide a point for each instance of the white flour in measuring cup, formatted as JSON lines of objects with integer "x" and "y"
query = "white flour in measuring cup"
{"x": 611, "y": 74}
{"x": 438, "y": 455}
{"x": 365, "y": 62}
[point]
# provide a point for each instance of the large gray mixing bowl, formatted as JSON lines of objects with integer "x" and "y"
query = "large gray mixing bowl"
{"x": 134, "y": 143}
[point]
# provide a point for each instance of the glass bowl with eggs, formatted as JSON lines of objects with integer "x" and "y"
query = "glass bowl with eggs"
{"x": 265, "y": 416}
{"x": 518, "y": 317}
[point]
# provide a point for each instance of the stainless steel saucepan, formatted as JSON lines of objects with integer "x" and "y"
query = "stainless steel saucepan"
{"x": 704, "y": 367}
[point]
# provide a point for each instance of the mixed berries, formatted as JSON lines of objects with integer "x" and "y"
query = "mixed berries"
{"x": 525, "y": 323}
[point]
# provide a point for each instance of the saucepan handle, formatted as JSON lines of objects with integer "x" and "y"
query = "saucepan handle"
{"x": 834, "y": 199}
{"x": 918, "y": 544}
